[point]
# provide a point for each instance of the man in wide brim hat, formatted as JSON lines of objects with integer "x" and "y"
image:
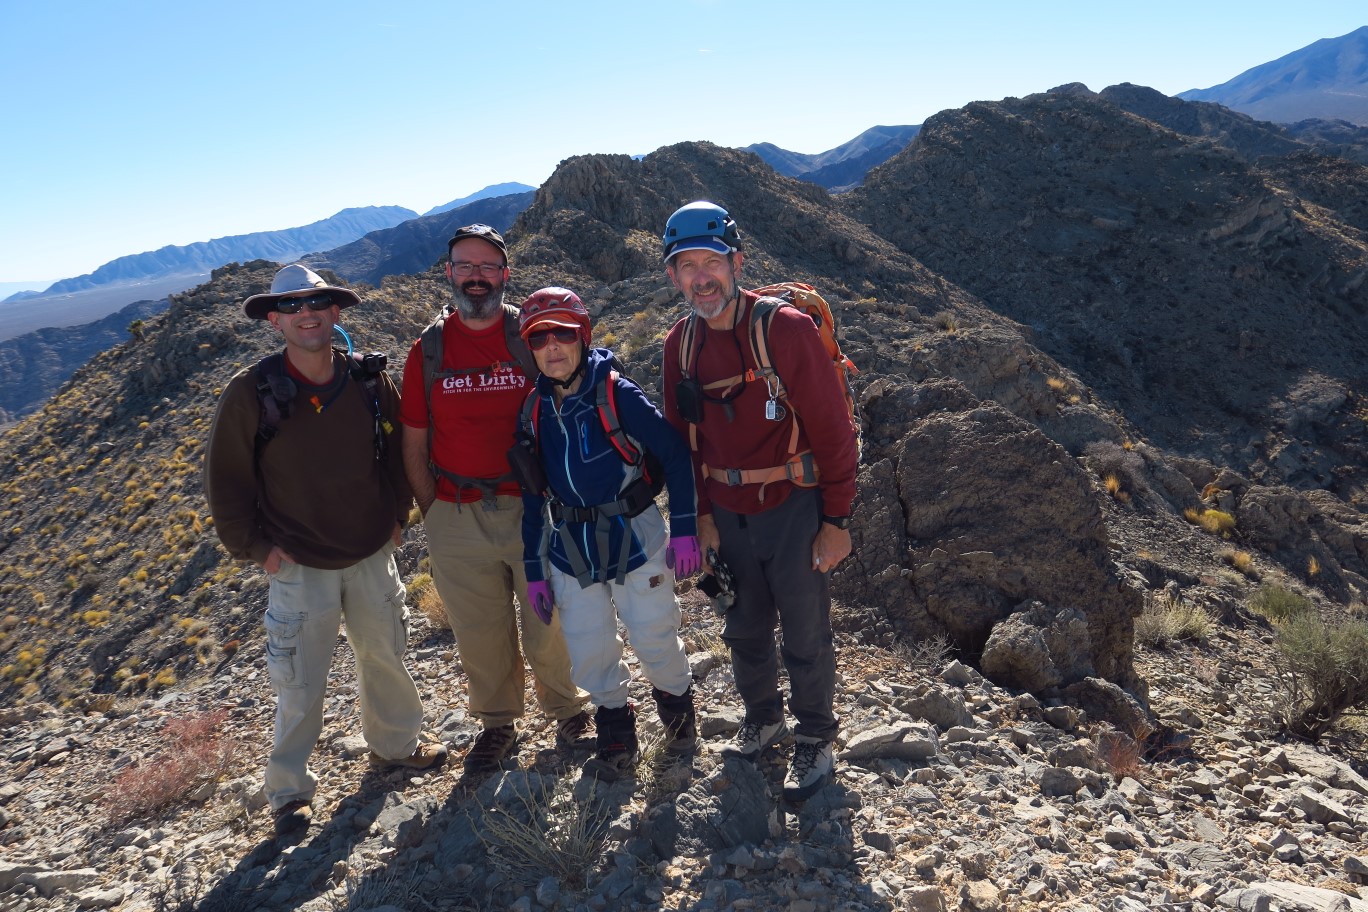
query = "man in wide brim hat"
{"x": 297, "y": 281}
{"x": 301, "y": 479}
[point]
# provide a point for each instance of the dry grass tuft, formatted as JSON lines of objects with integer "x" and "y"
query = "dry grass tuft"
{"x": 422, "y": 595}
{"x": 546, "y": 833}
{"x": 195, "y": 754}
{"x": 1169, "y": 619}
{"x": 1242, "y": 561}
{"x": 929, "y": 655}
{"x": 945, "y": 321}
{"x": 1213, "y": 522}
{"x": 1123, "y": 755}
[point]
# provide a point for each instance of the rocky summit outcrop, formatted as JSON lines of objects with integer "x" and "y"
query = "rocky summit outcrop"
{"x": 974, "y": 515}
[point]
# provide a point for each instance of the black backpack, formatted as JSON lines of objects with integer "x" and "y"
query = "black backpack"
{"x": 276, "y": 393}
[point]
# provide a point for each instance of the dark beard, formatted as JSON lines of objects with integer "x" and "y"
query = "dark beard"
{"x": 482, "y": 307}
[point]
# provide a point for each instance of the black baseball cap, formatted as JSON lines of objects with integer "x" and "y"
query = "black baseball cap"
{"x": 484, "y": 233}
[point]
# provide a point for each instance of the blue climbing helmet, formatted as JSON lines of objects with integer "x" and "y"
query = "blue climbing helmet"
{"x": 701, "y": 225}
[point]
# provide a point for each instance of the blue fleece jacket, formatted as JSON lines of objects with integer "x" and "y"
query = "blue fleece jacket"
{"x": 583, "y": 469}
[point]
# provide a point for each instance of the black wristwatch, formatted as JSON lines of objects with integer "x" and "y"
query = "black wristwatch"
{"x": 840, "y": 522}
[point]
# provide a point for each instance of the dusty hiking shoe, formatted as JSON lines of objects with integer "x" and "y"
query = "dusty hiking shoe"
{"x": 678, "y": 718}
{"x": 292, "y": 817}
{"x": 809, "y": 770}
{"x": 752, "y": 738}
{"x": 616, "y": 741}
{"x": 570, "y": 731}
{"x": 425, "y": 756}
{"x": 487, "y": 754}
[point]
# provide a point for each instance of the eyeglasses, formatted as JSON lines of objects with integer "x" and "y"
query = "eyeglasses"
{"x": 313, "y": 302}
{"x": 562, "y": 334}
{"x": 488, "y": 270}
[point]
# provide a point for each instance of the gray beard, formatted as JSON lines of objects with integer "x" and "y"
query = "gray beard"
{"x": 728, "y": 297}
{"x": 478, "y": 310}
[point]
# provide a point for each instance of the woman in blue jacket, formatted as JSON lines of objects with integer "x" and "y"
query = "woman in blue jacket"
{"x": 594, "y": 543}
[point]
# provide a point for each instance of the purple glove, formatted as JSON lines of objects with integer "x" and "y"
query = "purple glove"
{"x": 682, "y": 555}
{"x": 539, "y": 594}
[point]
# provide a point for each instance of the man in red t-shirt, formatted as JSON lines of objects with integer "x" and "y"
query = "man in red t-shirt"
{"x": 457, "y": 430}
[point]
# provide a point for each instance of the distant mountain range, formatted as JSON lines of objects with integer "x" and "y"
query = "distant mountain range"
{"x": 413, "y": 246}
{"x": 157, "y": 273}
{"x": 1326, "y": 80}
{"x": 1320, "y": 92}
{"x": 843, "y": 167}
{"x": 493, "y": 190}
{"x": 283, "y": 246}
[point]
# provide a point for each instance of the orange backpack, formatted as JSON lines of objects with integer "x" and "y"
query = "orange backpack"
{"x": 805, "y": 298}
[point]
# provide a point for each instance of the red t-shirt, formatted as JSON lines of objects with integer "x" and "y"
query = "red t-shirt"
{"x": 474, "y": 412}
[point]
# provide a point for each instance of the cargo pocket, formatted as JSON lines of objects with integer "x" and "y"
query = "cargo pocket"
{"x": 399, "y": 610}
{"x": 282, "y": 649}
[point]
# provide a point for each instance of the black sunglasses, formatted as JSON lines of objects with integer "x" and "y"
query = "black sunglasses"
{"x": 313, "y": 302}
{"x": 562, "y": 334}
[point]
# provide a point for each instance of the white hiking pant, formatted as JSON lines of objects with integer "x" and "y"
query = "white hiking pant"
{"x": 646, "y": 604}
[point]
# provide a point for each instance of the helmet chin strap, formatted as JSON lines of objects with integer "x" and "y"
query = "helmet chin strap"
{"x": 574, "y": 375}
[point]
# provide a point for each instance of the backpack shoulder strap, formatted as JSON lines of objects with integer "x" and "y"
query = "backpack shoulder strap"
{"x": 687, "y": 339}
{"x": 275, "y": 391}
{"x": 431, "y": 343}
{"x": 531, "y": 412}
{"x": 762, "y": 315}
{"x": 605, "y": 397}
{"x": 516, "y": 346}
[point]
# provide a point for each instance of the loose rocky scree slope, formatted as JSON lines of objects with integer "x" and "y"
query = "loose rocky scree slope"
{"x": 951, "y": 793}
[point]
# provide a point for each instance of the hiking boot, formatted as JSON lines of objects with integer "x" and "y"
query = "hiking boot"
{"x": 293, "y": 816}
{"x": 809, "y": 770}
{"x": 678, "y": 718}
{"x": 487, "y": 754}
{"x": 569, "y": 732}
{"x": 616, "y": 745}
{"x": 425, "y": 756}
{"x": 752, "y": 738}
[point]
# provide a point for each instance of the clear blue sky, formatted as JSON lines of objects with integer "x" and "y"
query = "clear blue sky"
{"x": 127, "y": 126}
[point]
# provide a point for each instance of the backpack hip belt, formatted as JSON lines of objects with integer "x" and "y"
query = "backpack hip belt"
{"x": 801, "y": 470}
{"x": 488, "y": 487}
{"x": 634, "y": 501}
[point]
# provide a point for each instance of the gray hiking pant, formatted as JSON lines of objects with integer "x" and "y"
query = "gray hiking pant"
{"x": 770, "y": 555}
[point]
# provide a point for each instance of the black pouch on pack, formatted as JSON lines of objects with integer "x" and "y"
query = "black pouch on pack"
{"x": 689, "y": 398}
{"x": 526, "y": 468}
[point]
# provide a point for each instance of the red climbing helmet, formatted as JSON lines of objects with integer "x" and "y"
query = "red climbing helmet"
{"x": 549, "y": 307}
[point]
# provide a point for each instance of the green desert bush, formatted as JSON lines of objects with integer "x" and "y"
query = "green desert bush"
{"x": 1323, "y": 670}
{"x": 1278, "y": 603}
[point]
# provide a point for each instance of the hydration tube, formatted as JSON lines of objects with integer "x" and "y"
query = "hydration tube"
{"x": 346, "y": 338}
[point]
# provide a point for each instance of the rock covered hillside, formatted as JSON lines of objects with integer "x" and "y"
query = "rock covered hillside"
{"x": 1080, "y": 333}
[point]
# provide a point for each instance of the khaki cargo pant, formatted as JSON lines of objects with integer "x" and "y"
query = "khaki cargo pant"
{"x": 305, "y": 608}
{"x": 477, "y": 567}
